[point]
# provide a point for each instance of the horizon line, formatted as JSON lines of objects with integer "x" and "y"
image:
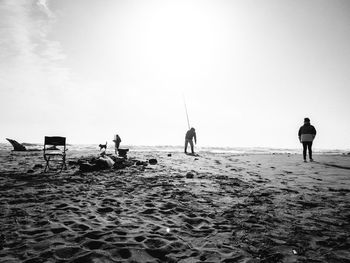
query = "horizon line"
{"x": 204, "y": 146}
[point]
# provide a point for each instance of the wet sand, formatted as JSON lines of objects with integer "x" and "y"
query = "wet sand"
{"x": 236, "y": 208}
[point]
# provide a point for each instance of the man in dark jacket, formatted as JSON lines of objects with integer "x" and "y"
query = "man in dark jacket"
{"x": 190, "y": 134}
{"x": 307, "y": 134}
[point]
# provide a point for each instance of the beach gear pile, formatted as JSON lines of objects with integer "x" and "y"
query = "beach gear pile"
{"x": 105, "y": 161}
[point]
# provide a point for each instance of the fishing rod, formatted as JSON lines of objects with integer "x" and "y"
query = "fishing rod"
{"x": 188, "y": 120}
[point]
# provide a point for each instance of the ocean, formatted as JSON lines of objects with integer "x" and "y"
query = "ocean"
{"x": 94, "y": 149}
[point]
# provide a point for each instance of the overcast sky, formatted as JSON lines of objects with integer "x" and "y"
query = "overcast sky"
{"x": 250, "y": 71}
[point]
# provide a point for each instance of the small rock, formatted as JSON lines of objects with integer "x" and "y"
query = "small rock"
{"x": 141, "y": 163}
{"x": 72, "y": 163}
{"x": 169, "y": 154}
{"x": 189, "y": 175}
{"x": 152, "y": 161}
{"x": 38, "y": 165}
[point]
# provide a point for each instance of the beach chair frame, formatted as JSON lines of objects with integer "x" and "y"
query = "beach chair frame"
{"x": 50, "y": 154}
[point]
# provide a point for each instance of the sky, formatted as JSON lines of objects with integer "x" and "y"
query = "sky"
{"x": 249, "y": 71}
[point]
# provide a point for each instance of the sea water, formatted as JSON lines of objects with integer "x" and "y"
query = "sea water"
{"x": 94, "y": 148}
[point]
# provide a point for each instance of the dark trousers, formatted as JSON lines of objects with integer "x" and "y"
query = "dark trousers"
{"x": 189, "y": 141}
{"x": 307, "y": 146}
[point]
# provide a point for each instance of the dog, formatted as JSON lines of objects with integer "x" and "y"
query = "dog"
{"x": 103, "y": 146}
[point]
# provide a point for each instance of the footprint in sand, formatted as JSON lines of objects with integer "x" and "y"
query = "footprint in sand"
{"x": 79, "y": 227}
{"x": 95, "y": 234}
{"x": 66, "y": 253}
{"x": 104, "y": 210}
{"x": 92, "y": 257}
{"x": 155, "y": 243}
{"x": 93, "y": 244}
{"x": 139, "y": 238}
{"x": 57, "y": 230}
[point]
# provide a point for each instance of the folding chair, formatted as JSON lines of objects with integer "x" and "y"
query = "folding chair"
{"x": 53, "y": 151}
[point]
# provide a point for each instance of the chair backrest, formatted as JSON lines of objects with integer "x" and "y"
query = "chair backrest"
{"x": 55, "y": 140}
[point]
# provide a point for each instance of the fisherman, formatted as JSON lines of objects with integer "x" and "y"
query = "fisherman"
{"x": 307, "y": 134}
{"x": 190, "y": 134}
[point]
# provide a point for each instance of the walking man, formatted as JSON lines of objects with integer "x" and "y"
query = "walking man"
{"x": 307, "y": 134}
{"x": 190, "y": 134}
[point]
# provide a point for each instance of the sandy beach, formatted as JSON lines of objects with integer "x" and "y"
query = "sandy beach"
{"x": 236, "y": 208}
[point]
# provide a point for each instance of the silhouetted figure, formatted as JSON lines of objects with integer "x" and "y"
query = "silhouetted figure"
{"x": 117, "y": 142}
{"x": 190, "y": 134}
{"x": 307, "y": 134}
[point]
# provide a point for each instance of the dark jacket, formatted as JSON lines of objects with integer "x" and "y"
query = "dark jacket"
{"x": 306, "y": 133}
{"x": 190, "y": 134}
